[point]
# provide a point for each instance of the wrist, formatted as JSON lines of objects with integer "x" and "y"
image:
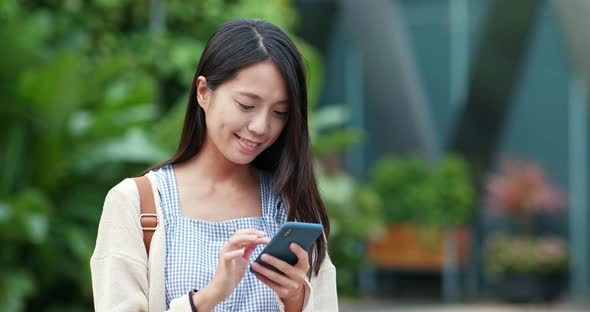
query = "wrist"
{"x": 295, "y": 302}
{"x": 207, "y": 298}
{"x": 213, "y": 293}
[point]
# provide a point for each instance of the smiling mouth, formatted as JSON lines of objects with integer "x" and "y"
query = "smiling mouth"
{"x": 250, "y": 144}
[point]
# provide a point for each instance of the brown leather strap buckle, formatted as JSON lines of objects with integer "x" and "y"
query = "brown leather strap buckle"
{"x": 148, "y": 217}
{"x": 148, "y": 225}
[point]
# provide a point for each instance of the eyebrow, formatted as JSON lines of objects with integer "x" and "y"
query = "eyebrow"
{"x": 257, "y": 97}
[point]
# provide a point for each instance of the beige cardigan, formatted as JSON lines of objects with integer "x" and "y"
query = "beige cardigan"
{"x": 123, "y": 279}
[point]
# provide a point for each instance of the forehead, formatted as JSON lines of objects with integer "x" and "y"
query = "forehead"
{"x": 263, "y": 79}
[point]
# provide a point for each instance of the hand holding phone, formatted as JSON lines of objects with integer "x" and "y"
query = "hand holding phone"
{"x": 301, "y": 233}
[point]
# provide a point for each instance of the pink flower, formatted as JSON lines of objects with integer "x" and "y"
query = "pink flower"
{"x": 521, "y": 188}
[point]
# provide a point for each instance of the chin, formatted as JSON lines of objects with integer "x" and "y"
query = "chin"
{"x": 241, "y": 159}
{"x": 243, "y": 162}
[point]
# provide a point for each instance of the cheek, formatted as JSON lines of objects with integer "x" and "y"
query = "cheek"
{"x": 278, "y": 128}
{"x": 221, "y": 120}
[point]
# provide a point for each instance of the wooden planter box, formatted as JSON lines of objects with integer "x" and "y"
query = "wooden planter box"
{"x": 402, "y": 248}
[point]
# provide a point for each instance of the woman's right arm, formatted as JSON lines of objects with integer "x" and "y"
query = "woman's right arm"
{"x": 119, "y": 262}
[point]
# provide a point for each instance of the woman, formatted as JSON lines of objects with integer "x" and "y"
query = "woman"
{"x": 242, "y": 169}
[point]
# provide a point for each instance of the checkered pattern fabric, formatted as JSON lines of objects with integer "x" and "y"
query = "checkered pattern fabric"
{"x": 193, "y": 246}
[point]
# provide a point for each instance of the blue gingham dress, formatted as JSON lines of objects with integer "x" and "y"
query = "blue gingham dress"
{"x": 193, "y": 246}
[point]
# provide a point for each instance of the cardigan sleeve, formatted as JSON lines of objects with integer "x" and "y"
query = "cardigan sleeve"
{"x": 118, "y": 265}
{"x": 324, "y": 294}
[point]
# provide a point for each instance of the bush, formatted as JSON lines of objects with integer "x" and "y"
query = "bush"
{"x": 415, "y": 192}
{"x": 504, "y": 254}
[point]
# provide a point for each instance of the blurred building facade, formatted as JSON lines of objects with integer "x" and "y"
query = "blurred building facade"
{"x": 417, "y": 77}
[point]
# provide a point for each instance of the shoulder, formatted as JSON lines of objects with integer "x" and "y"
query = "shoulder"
{"x": 125, "y": 187}
{"x": 121, "y": 205}
{"x": 124, "y": 192}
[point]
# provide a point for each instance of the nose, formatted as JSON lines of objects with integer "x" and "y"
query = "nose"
{"x": 259, "y": 124}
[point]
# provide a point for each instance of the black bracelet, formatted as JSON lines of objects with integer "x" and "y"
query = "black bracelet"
{"x": 190, "y": 300}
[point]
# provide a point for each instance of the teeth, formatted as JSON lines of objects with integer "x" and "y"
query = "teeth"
{"x": 249, "y": 143}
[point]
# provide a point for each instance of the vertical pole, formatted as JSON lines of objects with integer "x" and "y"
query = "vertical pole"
{"x": 355, "y": 158}
{"x": 578, "y": 185}
{"x": 458, "y": 63}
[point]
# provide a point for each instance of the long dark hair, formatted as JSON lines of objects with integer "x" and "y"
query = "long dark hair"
{"x": 235, "y": 45}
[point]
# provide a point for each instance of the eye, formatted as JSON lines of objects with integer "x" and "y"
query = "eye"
{"x": 244, "y": 106}
{"x": 281, "y": 114}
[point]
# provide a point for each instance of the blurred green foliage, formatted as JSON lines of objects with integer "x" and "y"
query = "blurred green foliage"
{"x": 355, "y": 216}
{"x": 355, "y": 208}
{"x": 429, "y": 197}
{"x": 90, "y": 96}
{"x": 416, "y": 192}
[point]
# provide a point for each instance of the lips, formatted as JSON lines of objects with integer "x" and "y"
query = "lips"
{"x": 248, "y": 145}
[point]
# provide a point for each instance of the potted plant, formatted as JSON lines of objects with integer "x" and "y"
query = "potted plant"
{"x": 523, "y": 265}
{"x": 421, "y": 203}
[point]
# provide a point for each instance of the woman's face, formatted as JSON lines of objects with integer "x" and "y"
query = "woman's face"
{"x": 245, "y": 115}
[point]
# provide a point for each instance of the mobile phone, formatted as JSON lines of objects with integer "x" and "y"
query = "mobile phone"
{"x": 302, "y": 233}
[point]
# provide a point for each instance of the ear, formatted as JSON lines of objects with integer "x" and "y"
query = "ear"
{"x": 203, "y": 92}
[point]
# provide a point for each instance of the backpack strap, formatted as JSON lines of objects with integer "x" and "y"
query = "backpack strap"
{"x": 147, "y": 216}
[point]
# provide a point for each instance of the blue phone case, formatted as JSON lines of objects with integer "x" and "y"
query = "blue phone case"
{"x": 301, "y": 233}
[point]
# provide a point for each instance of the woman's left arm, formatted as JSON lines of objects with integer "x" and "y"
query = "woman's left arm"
{"x": 292, "y": 287}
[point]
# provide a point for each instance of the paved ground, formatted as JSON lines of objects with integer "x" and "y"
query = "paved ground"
{"x": 347, "y": 306}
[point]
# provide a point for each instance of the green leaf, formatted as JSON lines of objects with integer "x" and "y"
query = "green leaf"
{"x": 133, "y": 147}
{"x": 15, "y": 287}
{"x": 54, "y": 88}
{"x": 29, "y": 211}
{"x": 13, "y": 152}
